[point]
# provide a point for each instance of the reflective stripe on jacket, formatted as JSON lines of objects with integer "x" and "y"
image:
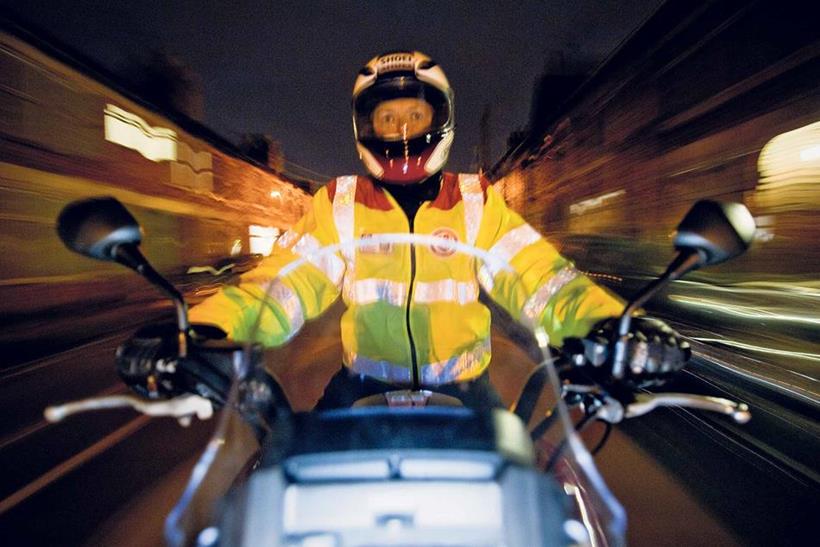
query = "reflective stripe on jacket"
{"x": 402, "y": 310}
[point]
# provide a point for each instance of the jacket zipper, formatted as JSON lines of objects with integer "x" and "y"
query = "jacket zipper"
{"x": 413, "y": 356}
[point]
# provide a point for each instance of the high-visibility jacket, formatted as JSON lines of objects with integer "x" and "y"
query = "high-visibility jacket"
{"x": 413, "y": 312}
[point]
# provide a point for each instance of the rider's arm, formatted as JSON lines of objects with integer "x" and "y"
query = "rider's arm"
{"x": 281, "y": 304}
{"x": 545, "y": 289}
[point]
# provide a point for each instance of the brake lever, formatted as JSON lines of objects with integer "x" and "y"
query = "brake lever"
{"x": 610, "y": 409}
{"x": 182, "y": 407}
{"x": 645, "y": 402}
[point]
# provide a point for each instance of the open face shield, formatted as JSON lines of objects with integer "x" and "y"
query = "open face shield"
{"x": 400, "y": 109}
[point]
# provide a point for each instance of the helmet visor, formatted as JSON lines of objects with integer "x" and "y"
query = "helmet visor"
{"x": 400, "y": 109}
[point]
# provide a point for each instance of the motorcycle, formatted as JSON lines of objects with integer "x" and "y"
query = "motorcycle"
{"x": 408, "y": 465}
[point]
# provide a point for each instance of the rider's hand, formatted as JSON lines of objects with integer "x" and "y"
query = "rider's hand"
{"x": 149, "y": 363}
{"x": 654, "y": 349}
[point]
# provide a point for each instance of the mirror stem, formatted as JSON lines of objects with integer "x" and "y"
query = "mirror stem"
{"x": 130, "y": 255}
{"x": 683, "y": 263}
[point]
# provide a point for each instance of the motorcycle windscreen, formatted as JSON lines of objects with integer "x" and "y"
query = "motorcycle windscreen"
{"x": 435, "y": 321}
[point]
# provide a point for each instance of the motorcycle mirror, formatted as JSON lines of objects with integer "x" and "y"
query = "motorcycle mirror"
{"x": 710, "y": 233}
{"x": 96, "y": 227}
{"x": 716, "y": 231}
{"x": 102, "y": 228}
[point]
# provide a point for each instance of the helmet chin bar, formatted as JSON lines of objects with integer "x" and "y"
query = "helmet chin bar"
{"x": 407, "y": 170}
{"x": 441, "y": 152}
{"x": 373, "y": 167}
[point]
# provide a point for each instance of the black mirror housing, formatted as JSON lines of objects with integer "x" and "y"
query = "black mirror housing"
{"x": 96, "y": 227}
{"x": 716, "y": 231}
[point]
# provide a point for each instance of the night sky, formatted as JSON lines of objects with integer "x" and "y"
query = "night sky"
{"x": 286, "y": 68}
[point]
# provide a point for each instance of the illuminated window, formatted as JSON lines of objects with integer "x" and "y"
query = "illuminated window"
{"x": 131, "y": 131}
{"x": 789, "y": 169}
{"x": 262, "y": 239}
{"x": 193, "y": 169}
{"x": 597, "y": 202}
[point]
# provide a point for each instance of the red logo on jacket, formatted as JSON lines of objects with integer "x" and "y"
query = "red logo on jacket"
{"x": 444, "y": 248}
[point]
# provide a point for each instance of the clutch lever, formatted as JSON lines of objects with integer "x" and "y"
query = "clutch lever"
{"x": 182, "y": 407}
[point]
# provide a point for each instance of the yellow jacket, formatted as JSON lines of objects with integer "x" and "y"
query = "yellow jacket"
{"x": 413, "y": 313}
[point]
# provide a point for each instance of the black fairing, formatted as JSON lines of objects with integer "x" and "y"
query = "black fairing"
{"x": 321, "y": 448}
{"x": 96, "y": 227}
{"x": 380, "y": 428}
{"x": 717, "y": 231}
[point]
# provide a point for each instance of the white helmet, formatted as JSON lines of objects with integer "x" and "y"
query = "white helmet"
{"x": 403, "y": 158}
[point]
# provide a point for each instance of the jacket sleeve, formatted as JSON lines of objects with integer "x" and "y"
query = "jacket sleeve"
{"x": 545, "y": 288}
{"x": 270, "y": 306}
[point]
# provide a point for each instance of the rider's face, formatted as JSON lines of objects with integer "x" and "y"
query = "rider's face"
{"x": 402, "y": 118}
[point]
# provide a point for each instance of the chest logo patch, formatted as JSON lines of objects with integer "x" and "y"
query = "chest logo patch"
{"x": 443, "y": 248}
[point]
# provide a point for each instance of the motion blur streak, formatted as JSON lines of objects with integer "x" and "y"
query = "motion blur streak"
{"x": 762, "y": 349}
{"x": 744, "y": 311}
{"x": 799, "y": 288}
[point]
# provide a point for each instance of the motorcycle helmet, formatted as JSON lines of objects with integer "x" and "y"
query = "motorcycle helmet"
{"x": 402, "y": 117}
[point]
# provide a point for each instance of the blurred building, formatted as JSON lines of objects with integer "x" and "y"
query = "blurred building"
{"x": 709, "y": 100}
{"x": 68, "y": 130}
{"x": 715, "y": 102}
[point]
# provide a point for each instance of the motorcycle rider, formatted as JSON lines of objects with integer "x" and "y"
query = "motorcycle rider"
{"x": 431, "y": 331}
